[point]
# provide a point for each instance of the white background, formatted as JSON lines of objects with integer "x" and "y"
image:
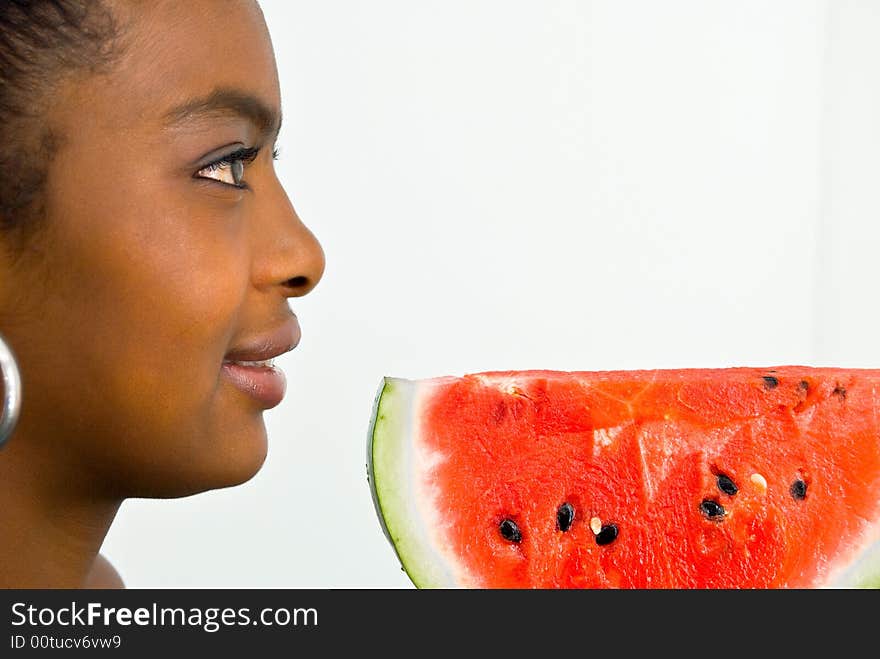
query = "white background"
{"x": 566, "y": 184}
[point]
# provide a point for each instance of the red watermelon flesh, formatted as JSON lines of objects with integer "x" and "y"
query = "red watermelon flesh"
{"x": 688, "y": 478}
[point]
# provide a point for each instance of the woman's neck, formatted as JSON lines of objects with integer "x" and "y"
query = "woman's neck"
{"x": 52, "y": 521}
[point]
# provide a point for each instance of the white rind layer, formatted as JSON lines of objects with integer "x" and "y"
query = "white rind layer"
{"x": 403, "y": 502}
{"x": 864, "y": 571}
{"x": 393, "y": 462}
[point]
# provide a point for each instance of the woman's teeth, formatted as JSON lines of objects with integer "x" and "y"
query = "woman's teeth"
{"x": 264, "y": 363}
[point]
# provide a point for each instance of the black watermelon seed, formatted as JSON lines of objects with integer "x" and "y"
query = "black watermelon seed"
{"x": 804, "y": 385}
{"x": 798, "y": 490}
{"x": 607, "y": 535}
{"x": 770, "y": 382}
{"x": 510, "y": 531}
{"x": 839, "y": 391}
{"x": 564, "y": 516}
{"x": 712, "y": 509}
{"x": 726, "y": 485}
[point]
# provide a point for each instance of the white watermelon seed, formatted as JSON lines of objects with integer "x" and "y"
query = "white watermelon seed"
{"x": 759, "y": 481}
{"x": 595, "y": 525}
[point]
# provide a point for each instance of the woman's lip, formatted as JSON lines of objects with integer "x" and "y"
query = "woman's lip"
{"x": 275, "y": 342}
{"x": 265, "y": 384}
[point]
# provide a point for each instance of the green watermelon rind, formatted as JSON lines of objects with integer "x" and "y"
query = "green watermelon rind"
{"x": 388, "y": 471}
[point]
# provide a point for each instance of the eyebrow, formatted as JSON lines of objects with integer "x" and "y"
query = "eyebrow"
{"x": 228, "y": 101}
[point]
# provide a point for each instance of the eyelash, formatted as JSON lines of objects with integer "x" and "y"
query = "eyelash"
{"x": 244, "y": 154}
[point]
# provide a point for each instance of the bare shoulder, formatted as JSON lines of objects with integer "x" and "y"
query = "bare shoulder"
{"x": 103, "y": 575}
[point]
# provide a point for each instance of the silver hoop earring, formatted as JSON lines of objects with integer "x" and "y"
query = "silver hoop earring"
{"x": 11, "y": 392}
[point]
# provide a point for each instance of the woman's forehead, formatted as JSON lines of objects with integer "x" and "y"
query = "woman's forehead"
{"x": 182, "y": 59}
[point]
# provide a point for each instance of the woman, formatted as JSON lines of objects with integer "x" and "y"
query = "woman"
{"x": 147, "y": 254}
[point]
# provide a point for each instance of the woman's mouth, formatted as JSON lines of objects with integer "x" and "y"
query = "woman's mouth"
{"x": 251, "y": 367}
{"x": 260, "y": 380}
{"x": 265, "y": 362}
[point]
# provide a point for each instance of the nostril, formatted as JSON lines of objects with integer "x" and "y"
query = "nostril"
{"x": 297, "y": 282}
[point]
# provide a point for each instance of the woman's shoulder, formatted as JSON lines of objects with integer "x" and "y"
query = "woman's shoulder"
{"x": 103, "y": 575}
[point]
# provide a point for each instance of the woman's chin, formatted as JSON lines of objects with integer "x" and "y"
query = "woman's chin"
{"x": 228, "y": 465}
{"x": 237, "y": 470}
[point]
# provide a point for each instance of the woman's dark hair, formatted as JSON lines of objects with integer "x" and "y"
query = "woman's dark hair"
{"x": 42, "y": 43}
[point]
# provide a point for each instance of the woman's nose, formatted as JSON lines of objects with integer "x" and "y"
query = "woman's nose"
{"x": 307, "y": 263}
{"x": 289, "y": 254}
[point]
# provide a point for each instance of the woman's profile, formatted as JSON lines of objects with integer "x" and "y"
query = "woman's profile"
{"x": 147, "y": 256}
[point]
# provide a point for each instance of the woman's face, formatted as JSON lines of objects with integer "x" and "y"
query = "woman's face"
{"x": 154, "y": 268}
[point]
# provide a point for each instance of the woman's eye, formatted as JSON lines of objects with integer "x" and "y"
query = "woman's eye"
{"x": 229, "y": 169}
{"x": 230, "y": 172}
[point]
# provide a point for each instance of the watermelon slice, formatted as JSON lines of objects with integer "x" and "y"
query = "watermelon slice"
{"x": 675, "y": 478}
